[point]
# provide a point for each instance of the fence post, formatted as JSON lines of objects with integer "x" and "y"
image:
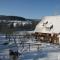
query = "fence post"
{"x": 29, "y": 46}
{"x": 38, "y": 47}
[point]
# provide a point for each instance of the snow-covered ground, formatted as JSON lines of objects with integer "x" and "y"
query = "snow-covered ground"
{"x": 41, "y": 55}
{"x": 36, "y": 51}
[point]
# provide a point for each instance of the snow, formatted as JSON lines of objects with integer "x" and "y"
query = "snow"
{"x": 45, "y": 51}
{"x": 54, "y": 20}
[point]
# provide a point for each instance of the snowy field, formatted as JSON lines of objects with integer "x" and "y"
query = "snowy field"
{"x": 41, "y": 52}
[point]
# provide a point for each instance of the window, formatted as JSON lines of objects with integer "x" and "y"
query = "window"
{"x": 45, "y": 23}
{"x": 49, "y": 27}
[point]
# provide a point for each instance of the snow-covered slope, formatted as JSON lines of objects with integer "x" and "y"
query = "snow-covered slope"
{"x": 48, "y": 21}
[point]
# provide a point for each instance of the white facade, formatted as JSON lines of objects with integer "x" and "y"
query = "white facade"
{"x": 48, "y": 22}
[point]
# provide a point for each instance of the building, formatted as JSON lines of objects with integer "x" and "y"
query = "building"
{"x": 48, "y": 29}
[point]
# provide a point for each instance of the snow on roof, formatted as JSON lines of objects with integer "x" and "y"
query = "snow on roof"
{"x": 52, "y": 21}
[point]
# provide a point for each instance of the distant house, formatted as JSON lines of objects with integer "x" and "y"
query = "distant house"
{"x": 20, "y": 22}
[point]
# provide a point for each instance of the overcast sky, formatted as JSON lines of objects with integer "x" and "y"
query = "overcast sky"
{"x": 30, "y": 8}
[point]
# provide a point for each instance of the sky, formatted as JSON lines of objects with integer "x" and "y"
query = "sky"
{"x": 34, "y": 9}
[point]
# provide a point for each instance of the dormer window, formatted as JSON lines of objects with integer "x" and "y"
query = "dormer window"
{"x": 49, "y": 27}
{"x": 45, "y": 23}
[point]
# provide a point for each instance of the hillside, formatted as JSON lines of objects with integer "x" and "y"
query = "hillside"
{"x": 4, "y": 17}
{"x": 18, "y": 24}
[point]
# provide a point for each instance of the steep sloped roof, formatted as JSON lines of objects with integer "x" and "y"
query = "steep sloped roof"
{"x": 49, "y": 24}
